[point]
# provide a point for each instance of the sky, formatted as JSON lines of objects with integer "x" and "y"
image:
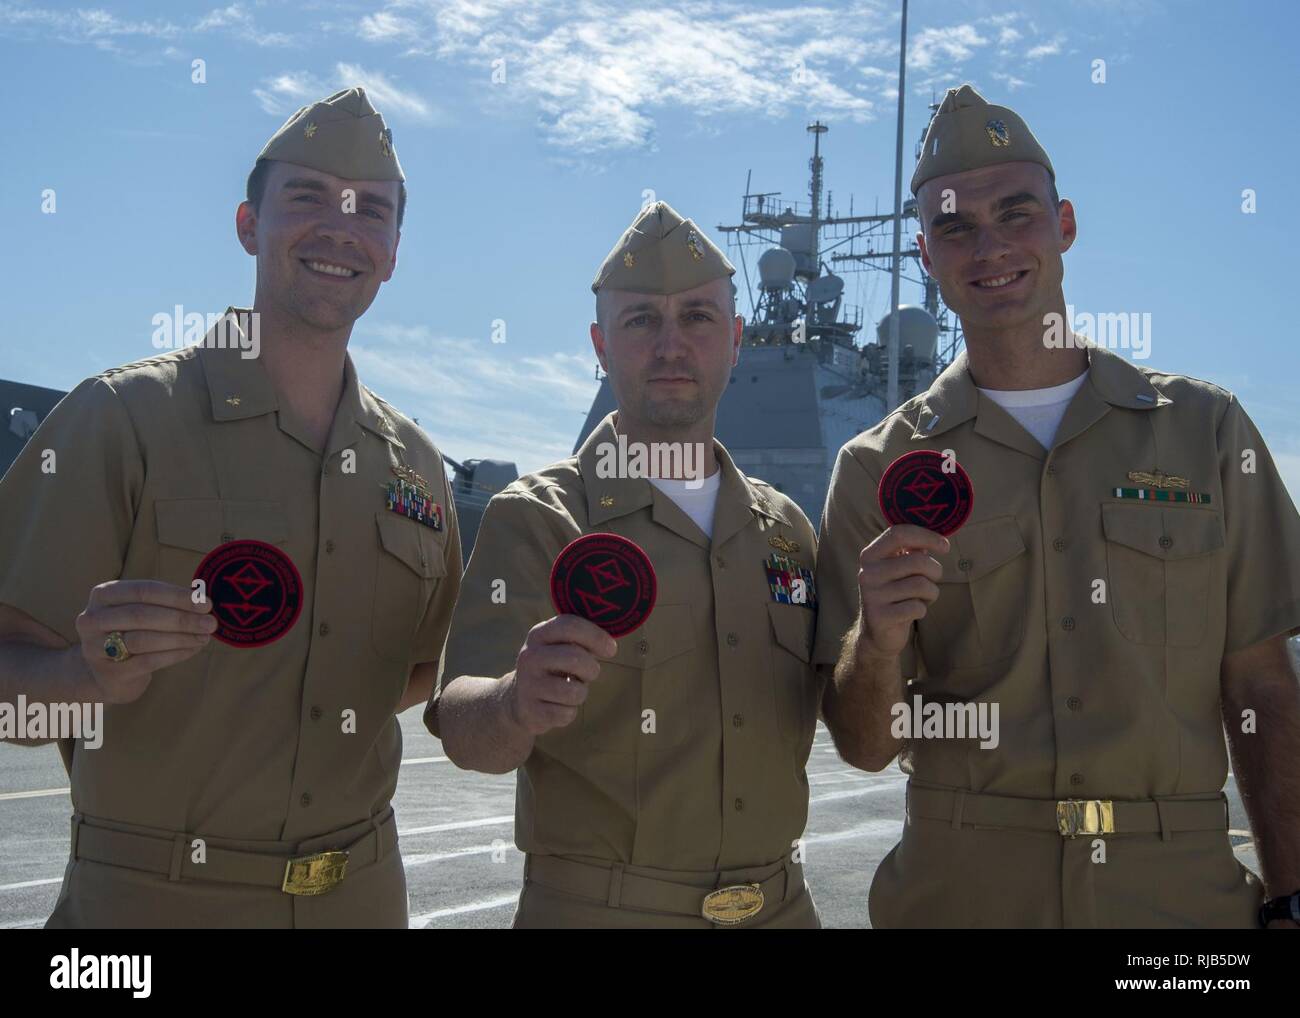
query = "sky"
{"x": 531, "y": 134}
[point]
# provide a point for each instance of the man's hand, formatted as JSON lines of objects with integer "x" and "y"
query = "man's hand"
{"x": 898, "y": 580}
{"x": 557, "y": 661}
{"x": 160, "y": 624}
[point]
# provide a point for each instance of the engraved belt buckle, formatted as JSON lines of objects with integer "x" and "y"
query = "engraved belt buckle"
{"x": 728, "y": 906}
{"x": 314, "y": 874}
{"x": 1085, "y": 816}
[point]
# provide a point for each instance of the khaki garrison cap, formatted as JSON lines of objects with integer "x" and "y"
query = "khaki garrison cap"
{"x": 969, "y": 133}
{"x": 343, "y": 135}
{"x": 661, "y": 253}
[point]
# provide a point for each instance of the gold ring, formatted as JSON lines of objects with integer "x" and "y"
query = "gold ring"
{"x": 115, "y": 647}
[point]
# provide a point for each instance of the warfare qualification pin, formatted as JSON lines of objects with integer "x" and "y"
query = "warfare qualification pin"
{"x": 916, "y": 489}
{"x": 999, "y": 136}
{"x": 606, "y": 579}
{"x": 255, "y": 589}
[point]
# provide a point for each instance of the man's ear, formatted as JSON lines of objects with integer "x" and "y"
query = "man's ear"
{"x": 1069, "y": 227}
{"x": 925, "y": 255}
{"x": 246, "y": 226}
{"x": 737, "y": 335}
{"x": 598, "y": 344}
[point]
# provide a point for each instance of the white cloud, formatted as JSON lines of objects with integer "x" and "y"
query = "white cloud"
{"x": 477, "y": 398}
{"x": 94, "y": 26}
{"x": 1007, "y": 36}
{"x": 285, "y": 92}
{"x": 240, "y": 24}
{"x": 1010, "y": 80}
{"x": 931, "y": 46}
{"x": 1045, "y": 49}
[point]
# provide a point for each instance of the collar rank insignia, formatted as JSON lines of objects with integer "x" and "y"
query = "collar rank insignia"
{"x": 409, "y": 496}
{"x": 790, "y": 582}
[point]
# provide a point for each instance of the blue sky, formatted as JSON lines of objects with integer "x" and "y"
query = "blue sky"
{"x": 518, "y": 188}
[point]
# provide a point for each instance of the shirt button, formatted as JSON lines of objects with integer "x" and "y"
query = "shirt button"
{"x": 316, "y": 713}
{"x": 1076, "y": 779}
{"x": 722, "y": 563}
{"x": 226, "y": 536}
{"x": 732, "y": 639}
{"x": 325, "y": 472}
{"x": 964, "y": 565}
{"x": 306, "y": 799}
{"x": 1067, "y": 623}
{"x": 1166, "y": 541}
{"x": 740, "y": 804}
{"x": 642, "y": 647}
{"x": 737, "y": 720}
{"x": 1074, "y": 703}
{"x": 1059, "y": 544}
{"x": 324, "y": 629}
{"x": 1051, "y": 468}
{"x": 329, "y": 547}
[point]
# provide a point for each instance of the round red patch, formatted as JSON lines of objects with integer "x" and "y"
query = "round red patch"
{"x": 607, "y": 579}
{"x": 916, "y": 489}
{"x": 255, "y": 590}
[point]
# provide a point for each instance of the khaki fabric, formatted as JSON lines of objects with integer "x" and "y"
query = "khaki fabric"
{"x": 720, "y": 784}
{"x": 157, "y": 463}
{"x": 343, "y": 134}
{"x": 661, "y": 253}
{"x": 1116, "y": 700}
{"x": 968, "y": 133}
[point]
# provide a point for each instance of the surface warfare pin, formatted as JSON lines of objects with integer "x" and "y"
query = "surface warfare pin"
{"x": 606, "y": 579}
{"x": 255, "y": 590}
{"x": 782, "y": 575}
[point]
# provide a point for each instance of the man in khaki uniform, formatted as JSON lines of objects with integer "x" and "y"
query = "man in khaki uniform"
{"x": 666, "y": 766}
{"x": 1132, "y": 560}
{"x": 241, "y": 786}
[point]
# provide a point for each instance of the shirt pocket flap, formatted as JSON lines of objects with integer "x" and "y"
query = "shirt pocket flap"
{"x": 1163, "y": 533}
{"x": 793, "y": 628}
{"x": 979, "y": 548}
{"x": 201, "y": 524}
{"x": 402, "y": 539}
{"x": 668, "y": 632}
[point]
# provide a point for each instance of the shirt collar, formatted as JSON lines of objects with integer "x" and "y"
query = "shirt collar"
{"x": 953, "y": 398}
{"x": 609, "y": 497}
{"x": 239, "y": 387}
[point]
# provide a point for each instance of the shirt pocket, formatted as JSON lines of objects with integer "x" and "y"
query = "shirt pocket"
{"x": 408, "y": 566}
{"x": 1160, "y": 563}
{"x": 979, "y": 616}
{"x": 188, "y": 528}
{"x": 652, "y": 672}
{"x": 794, "y": 682}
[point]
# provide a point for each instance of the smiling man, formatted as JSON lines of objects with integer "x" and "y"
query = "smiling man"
{"x": 661, "y": 775}
{"x": 251, "y": 747}
{"x": 1122, "y": 591}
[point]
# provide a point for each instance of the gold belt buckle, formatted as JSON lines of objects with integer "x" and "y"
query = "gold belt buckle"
{"x": 728, "y": 906}
{"x": 314, "y": 874}
{"x": 1085, "y": 816}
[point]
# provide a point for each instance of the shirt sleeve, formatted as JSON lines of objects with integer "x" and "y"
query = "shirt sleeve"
{"x": 505, "y": 592}
{"x": 431, "y": 638}
{"x": 1262, "y": 536}
{"x": 69, "y": 503}
{"x": 850, "y": 522}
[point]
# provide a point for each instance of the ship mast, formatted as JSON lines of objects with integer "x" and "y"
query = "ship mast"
{"x": 891, "y": 384}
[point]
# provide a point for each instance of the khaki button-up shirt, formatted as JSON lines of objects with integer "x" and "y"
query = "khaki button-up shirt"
{"x": 154, "y": 465}
{"x": 1097, "y": 623}
{"x": 689, "y": 752}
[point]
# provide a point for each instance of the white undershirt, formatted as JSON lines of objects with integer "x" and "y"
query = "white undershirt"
{"x": 1038, "y": 411}
{"x": 698, "y": 501}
